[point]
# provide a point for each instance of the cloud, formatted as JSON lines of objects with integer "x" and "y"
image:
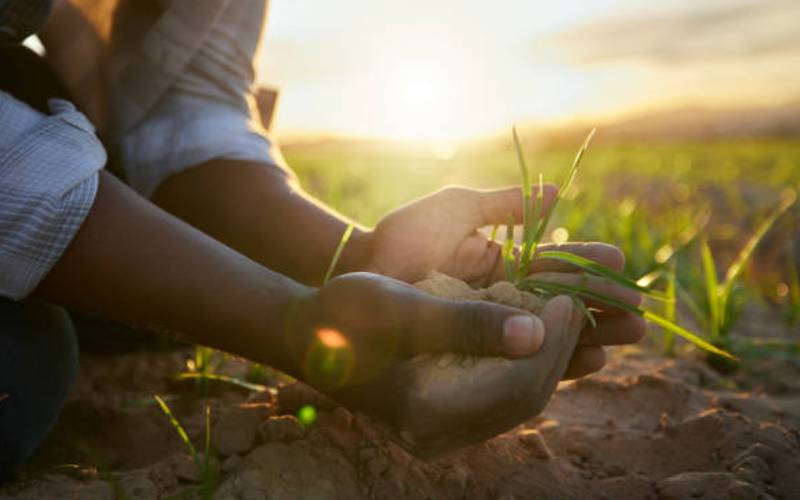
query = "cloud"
{"x": 694, "y": 32}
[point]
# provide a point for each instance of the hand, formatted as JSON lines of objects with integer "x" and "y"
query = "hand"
{"x": 439, "y": 232}
{"x": 358, "y": 325}
{"x": 382, "y": 347}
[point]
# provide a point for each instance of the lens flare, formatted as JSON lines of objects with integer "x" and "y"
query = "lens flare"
{"x": 307, "y": 415}
{"x": 330, "y": 359}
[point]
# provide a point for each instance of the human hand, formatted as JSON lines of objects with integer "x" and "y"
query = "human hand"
{"x": 358, "y": 325}
{"x": 440, "y": 232}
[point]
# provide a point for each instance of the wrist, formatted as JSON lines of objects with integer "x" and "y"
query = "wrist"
{"x": 357, "y": 254}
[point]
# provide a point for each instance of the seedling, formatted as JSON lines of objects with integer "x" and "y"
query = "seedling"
{"x": 534, "y": 227}
{"x": 208, "y": 472}
{"x": 721, "y": 310}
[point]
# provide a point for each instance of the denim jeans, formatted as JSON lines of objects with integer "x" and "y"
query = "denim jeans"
{"x": 38, "y": 365}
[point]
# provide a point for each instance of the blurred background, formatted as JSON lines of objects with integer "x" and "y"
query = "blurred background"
{"x": 697, "y": 105}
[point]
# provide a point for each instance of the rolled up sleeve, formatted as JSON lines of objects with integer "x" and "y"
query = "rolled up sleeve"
{"x": 48, "y": 181}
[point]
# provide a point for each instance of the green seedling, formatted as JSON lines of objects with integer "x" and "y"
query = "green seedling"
{"x": 721, "y": 309}
{"x": 534, "y": 226}
{"x": 338, "y": 253}
{"x": 792, "y": 314}
{"x": 209, "y": 475}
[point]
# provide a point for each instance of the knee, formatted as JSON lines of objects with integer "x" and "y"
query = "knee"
{"x": 38, "y": 365}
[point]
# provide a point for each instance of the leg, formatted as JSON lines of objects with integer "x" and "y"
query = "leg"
{"x": 38, "y": 365}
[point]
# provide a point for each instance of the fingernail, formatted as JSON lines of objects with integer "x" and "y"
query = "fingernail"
{"x": 523, "y": 335}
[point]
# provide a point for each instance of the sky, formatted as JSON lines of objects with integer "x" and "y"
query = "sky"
{"x": 448, "y": 70}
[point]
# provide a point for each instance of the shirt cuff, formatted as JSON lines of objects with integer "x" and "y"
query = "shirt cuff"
{"x": 48, "y": 183}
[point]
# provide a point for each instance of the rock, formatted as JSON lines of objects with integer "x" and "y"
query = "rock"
{"x": 230, "y": 463}
{"x": 442, "y": 285}
{"x": 184, "y": 468}
{"x": 249, "y": 485}
{"x": 753, "y": 469}
{"x": 707, "y": 485}
{"x": 504, "y": 292}
{"x": 235, "y": 433}
{"x": 454, "y": 482}
{"x": 283, "y": 428}
{"x": 137, "y": 486}
{"x": 98, "y": 490}
{"x": 378, "y": 465}
{"x": 535, "y": 443}
{"x": 278, "y": 470}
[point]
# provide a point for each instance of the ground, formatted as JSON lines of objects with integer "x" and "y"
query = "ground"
{"x": 645, "y": 426}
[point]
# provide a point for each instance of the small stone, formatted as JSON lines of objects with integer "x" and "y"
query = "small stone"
{"x": 98, "y": 490}
{"x": 367, "y": 454}
{"x": 378, "y": 465}
{"x": 753, "y": 468}
{"x": 455, "y": 482}
{"x": 235, "y": 433}
{"x": 185, "y": 469}
{"x": 504, "y": 292}
{"x": 138, "y": 487}
{"x": 283, "y": 428}
{"x": 535, "y": 443}
{"x": 230, "y": 463}
{"x": 712, "y": 485}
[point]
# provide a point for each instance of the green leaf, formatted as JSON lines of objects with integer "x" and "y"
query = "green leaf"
{"x": 529, "y": 219}
{"x": 181, "y": 431}
{"x": 553, "y": 287}
{"x": 345, "y": 238}
{"x": 712, "y": 290}
{"x": 565, "y": 185}
{"x": 509, "y": 262}
{"x": 598, "y": 269}
{"x": 735, "y": 269}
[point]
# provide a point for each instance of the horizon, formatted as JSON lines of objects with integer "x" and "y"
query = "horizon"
{"x": 451, "y": 72}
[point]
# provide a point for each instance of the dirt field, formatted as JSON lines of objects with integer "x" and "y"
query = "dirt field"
{"x": 643, "y": 427}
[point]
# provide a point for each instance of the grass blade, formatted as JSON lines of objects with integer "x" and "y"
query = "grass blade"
{"x": 565, "y": 185}
{"x": 507, "y": 252}
{"x": 669, "y": 310}
{"x": 746, "y": 252}
{"x": 712, "y": 290}
{"x": 553, "y": 287}
{"x": 338, "y": 253}
{"x": 223, "y": 378}
{"x": 598, "y": 269}
{"x": 528, "y": 218}
{"x": 181, "y": 431}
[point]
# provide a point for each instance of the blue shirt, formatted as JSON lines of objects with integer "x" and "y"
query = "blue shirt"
{"x": 191, "y": 103}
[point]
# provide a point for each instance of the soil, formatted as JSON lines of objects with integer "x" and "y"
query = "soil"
{"x": 645, "y": 426}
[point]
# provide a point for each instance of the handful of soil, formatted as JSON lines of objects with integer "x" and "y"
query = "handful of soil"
{"x": 454, "y": 400}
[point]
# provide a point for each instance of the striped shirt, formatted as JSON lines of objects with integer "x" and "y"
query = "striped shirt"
{"x": 184, "y": 99}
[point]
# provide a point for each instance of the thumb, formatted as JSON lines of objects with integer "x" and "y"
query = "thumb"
{"x": 482, "y": 328}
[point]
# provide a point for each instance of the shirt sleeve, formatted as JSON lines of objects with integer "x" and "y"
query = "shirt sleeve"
{"x": 48, "y": 182}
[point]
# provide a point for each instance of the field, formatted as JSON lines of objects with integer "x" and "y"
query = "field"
{"x": 657, "y": 422}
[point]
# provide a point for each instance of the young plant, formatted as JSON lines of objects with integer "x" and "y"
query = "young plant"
{"x": 534, "y": 226}
{"x": 721, "y": 309}
{"x": 208, "y": 471}
{"x": 202, "y": 369}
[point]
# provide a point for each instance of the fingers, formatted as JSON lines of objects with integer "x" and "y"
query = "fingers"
{"x": 584, "y": 361}
{"x": 626, "y": 328}
{"x": 563, "y": 323}
{"x": 602, "y": 253}
{"x": 496, "y": 204}
{"x": 597, "y": 285}
{"x": 480, "y": 328}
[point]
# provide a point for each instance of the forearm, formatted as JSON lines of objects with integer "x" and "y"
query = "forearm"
{"x": 258, "y": 211}
{"x": 134, "y": 263}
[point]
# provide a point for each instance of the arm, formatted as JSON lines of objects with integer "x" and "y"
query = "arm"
{"x": 136, "y": 264}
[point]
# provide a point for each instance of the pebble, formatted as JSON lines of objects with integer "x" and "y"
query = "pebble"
{"x": 235, "y": 433}
{"x": 283, "y": 428}
{"x": 535, "y": 443}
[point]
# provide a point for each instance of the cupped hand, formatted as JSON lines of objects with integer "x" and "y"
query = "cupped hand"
{"x": 358, "y": 325}
{"x": 440, "y": 232}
